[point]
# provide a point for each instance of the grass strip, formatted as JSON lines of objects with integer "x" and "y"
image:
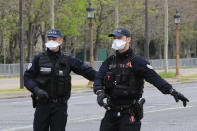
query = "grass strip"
{"x": 167, "y": 74}
{"x": 17, "y": 90}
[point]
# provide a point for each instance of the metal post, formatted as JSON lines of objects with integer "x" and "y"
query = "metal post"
{"x": 52, "y": 15}
{"x": 166, "y": 37}
{"x": 177, "y": 52}
{"x": 91, "y": 44}
{"x": 90, "y": 84}
{"x": 21, "y": 46}
{"x": 147, "y": 34}
{"x": 4, "y": 53}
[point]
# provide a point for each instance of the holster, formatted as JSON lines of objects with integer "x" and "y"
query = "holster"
{"x": 139, "y": 113}
{"x": 34, "y": 100}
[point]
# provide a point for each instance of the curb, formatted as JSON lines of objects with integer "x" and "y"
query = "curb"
{"x": 22, "y": 94}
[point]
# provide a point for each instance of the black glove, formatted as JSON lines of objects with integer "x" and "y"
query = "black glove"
{"x": 41, "y": 94}
{"x": 100, "y": 97}
{"x": 178, "y": 96}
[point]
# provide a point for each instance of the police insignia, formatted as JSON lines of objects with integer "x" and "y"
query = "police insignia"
{"x": 129, "y": 64}
{"x": 149, "y": 66}
{"x": 29, "y": 66}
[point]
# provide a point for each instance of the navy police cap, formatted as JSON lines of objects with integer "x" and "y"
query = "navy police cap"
{"x": 120, "y": 32}
{"x": 54, "y": 33}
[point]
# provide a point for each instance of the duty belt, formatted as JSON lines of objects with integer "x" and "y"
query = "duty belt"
{"x": 122, "y": 107}
{"x": 58, "y": 100}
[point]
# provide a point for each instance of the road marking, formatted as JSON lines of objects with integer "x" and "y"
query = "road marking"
{"x": 166, "y": 109}
{"x": 89, "y": 119}
{"x": 81, "y": 119}
{"x": 147, "y": 107}
{"x": 18, "y": 128}
{"x": 95, "y": 117}
{"x": 16, "y": 102}
{"x": 160, "y": 104}
{"x": 81, "y": 103}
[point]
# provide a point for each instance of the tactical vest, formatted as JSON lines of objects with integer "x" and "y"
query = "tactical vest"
{"x": 122, "y": 81}
{"x": 54, "y": 79}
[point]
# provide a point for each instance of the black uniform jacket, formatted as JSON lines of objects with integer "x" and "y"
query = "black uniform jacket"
{"x": 76, "y": 65}
{"x": 140, "y": 66}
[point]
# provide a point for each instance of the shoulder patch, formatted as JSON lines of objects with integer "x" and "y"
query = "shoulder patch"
{"x": 149, "y": 66}
{"x": 29, "y": 66}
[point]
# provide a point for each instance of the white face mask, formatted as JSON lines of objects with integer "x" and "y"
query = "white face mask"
{"x": 118, "y": 44}
{"x": 52, "y": 45}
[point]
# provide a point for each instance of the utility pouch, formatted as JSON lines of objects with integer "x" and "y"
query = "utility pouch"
{"x": 42, "y": 81}
{"x": 108, "y": 80}
{"x": 125, "y": 74}
{"x": 63, "y": 86}
{"x": 34, "y": 100}
{"x": 120, "y": 90}
{"x": 117, "y": 79}
{"x": 139, "y": 113}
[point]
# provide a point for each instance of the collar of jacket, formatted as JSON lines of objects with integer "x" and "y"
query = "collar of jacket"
{"x": 49, "y": 52}
{"x": 127, "y": 53}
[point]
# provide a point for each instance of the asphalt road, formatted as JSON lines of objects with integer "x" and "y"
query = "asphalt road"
{"x": 161, "y": 112}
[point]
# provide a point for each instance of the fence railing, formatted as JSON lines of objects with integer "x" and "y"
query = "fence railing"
{"x": 14, "y": 69}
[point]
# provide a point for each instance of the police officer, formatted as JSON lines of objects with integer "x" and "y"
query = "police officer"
{"x": 121, "y": 81}
{"x": 48, "y": 78}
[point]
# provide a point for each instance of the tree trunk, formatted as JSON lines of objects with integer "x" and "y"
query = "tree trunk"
{"x": 12, "y": 46}
{"x": 109, "y": 49}
{"x": 196, "y": 43}
{"x": 160, "y": 52}
{"x": 29, "y": 43}
{"x": 133, "y": 42}
{"x": 43, "y": 35}
{"x": 73, "y": 45}
{"x": 85, "y": 48}
{"x": 98, "y": 41}
{"x": 158, "y": 49}
{"x": 1, "y": 41}
{"x": 64, "y": 44}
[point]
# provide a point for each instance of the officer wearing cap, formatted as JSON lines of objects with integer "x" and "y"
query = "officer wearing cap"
{"x": 121, "y": 81}
{"x": 48, "y": 78}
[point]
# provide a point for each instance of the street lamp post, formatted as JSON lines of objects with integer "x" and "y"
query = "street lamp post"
{"x": 21, "y": 46}
{"x": 177, "y": 22}
{"x": 90, "y": 11}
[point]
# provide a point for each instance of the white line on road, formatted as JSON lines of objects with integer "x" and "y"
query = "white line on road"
{"x": 90, "y": 119}
{"x": 96, "y": 117}
{"x": 18, "y": 128}
{"x": 16, "y": 102}
{"x": 81, "y": 103}
{"x": 166, "y": 109}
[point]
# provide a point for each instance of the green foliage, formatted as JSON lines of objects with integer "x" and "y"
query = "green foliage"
{"x": 71, "y": 19}
{"x": 167, "y": 75}
{"x": 70, "y": 16}
{"x": 187, "y": 32}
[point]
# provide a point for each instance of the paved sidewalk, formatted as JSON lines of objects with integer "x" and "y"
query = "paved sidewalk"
{"x": 13, "y": 83}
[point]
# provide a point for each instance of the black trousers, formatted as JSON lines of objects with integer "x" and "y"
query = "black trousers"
{"x": 116, "y": 121}
{"x": 51, "y": 116}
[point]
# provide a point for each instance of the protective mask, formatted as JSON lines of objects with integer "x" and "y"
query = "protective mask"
{"x": 52, "y": 45}
{"x": 118, "y": 44}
